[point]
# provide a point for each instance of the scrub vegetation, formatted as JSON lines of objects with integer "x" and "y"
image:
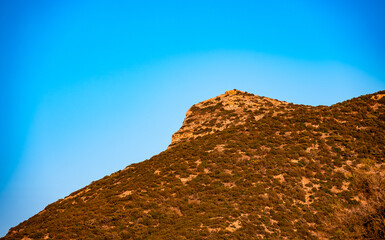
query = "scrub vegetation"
{"x": 241, "y": 167}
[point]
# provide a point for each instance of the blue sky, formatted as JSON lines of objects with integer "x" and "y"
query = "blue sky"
{"x": 88, "y": 87}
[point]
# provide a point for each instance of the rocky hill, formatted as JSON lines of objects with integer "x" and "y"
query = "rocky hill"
{"x": 241, "y": 167}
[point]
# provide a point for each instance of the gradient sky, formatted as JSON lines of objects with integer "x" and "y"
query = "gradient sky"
{"x": 89, "y": 87}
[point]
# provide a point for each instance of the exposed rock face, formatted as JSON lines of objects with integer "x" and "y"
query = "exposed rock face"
{"x": 210, "y": 116}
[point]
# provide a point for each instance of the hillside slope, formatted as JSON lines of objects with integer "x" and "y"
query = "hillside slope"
{"x": 240, "y": 167}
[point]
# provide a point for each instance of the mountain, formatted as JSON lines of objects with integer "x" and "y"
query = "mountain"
{"x": 241, "y": 167}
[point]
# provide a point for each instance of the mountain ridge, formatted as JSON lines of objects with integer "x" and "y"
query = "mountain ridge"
{"x": 263, "y": 169}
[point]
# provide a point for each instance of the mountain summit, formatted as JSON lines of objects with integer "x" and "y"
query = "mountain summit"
{"x": 210, "y": 116}
{"x": 241, "y": 167}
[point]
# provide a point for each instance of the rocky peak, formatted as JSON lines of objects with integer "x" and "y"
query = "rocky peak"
{"x": 234, "y": 107}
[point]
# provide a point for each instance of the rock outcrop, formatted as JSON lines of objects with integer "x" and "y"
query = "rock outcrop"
{"x": 212, "y": 115}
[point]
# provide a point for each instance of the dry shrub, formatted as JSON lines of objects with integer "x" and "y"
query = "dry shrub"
{"x": 367, "y": 220}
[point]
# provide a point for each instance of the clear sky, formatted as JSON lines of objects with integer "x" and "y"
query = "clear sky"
{"x": 89, "y": 87}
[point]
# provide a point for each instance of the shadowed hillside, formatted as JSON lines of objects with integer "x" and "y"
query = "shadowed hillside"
{"x": 241, "y": 167}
